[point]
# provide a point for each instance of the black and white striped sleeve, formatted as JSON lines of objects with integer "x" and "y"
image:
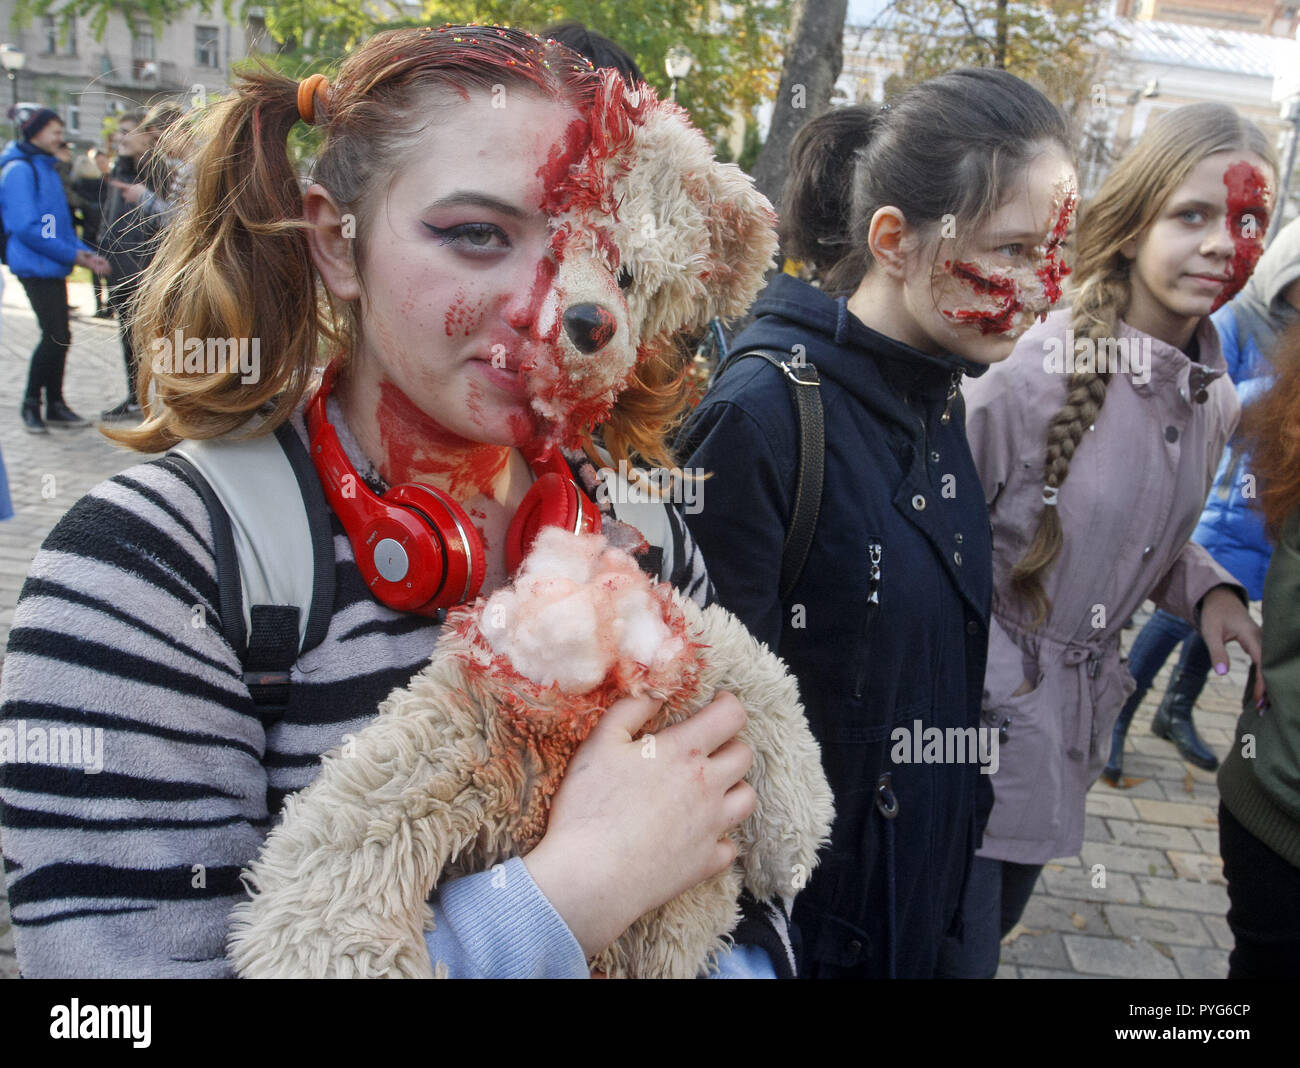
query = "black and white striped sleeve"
{"x": 688, "y": 572}
{"x": 135, "y": 789}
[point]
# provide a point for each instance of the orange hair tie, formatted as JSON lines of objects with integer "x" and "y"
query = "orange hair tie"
{"x": 307, "y": 90}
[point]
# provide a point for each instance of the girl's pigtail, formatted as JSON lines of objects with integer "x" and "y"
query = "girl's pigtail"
{"x": 1097, "y": 309}
{"x": 816, "y": 216}
{"x": 233, "y": 275}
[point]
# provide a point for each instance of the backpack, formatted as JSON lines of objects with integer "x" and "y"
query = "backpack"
{"x": 4, "y": 234}
{"x": 276, "y": 601}
{"x": 805, "y": 392}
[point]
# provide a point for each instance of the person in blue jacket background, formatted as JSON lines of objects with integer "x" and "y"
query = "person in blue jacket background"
{"x": 41, "y": 248}
{"x": 1230, "y": 527}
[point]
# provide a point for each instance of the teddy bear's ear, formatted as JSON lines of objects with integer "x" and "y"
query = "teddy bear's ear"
{"x": 699, "y": 237}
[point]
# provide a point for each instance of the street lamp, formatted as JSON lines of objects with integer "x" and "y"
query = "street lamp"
{"x": 678, "y": 62}
{"x": 13, "y": 59}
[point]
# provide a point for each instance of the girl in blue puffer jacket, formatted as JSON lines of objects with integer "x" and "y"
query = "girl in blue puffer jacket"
{"x": 1230, "y": 527}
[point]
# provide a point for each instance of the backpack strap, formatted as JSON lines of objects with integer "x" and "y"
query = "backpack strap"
{"x": 805, "y": 392}
{"x": 266, "y": 504}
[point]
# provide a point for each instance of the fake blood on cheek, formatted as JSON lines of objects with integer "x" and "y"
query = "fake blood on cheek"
{"x": 1248, "y": 205}
{"x": 995, "y": 286}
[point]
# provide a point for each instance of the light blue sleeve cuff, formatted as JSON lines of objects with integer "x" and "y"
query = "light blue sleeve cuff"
{"x": 499, "y": 925}
{"x": 744, "y": 962}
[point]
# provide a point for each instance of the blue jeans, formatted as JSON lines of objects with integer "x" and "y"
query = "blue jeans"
{"x": 996, "y": 895}
{"x": 1150, "y": 650}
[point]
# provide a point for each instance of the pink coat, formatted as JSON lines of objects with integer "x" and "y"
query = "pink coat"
{"x": 1137, "y": 484}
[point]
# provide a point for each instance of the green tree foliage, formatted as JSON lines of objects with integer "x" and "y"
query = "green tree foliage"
{"x": 736, "y": 46}
{"x": 1053, "y": 44}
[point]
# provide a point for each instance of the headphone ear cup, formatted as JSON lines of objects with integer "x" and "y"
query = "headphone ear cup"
{"x": 463, "y": 559}
{"x": 551, "y": 501}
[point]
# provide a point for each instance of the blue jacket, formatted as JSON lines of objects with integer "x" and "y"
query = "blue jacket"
{"x": 42, "y": 241}
{"x": 1231, "y": 528}
{"x": 900, "y": 486}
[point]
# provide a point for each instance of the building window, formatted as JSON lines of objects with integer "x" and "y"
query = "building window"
{"x": 73, "y": 113}
{"x": 53, "y": 42}
{"x": 142, "y": 43}
{"x": 206, "y": 52}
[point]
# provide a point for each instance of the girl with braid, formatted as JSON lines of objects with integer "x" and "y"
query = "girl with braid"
{"x": 1096, "y": 443}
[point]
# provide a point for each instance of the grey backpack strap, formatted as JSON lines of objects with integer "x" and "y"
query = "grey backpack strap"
{"x": 804, "y": 384}
{"x": 266, "y": 507}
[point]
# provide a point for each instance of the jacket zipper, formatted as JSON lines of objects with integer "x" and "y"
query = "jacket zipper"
{"x": 952, "y": 393}
{"x": 875, "y": 550}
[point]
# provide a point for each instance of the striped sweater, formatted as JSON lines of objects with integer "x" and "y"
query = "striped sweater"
{"x": 132, "y": 869}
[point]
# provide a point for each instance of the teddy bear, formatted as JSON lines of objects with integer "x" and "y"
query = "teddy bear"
{"x": 651, "y": 238}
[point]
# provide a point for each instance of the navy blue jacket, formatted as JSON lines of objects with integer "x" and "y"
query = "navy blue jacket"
{"x": 900, "y": 485}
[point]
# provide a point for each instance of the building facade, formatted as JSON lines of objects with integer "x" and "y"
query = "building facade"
{"x": 87, "y": 80}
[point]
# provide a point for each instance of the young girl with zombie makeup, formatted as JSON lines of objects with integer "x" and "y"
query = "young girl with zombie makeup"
{"x": 935, "y": 226}
{"x": 445, "y": 231}
{"x": 1096, "y": 444}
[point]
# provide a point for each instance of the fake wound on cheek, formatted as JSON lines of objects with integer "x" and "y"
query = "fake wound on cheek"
{"x": 1248, "y": 206}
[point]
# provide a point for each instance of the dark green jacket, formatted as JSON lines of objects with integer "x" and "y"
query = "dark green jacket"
{"x": 1263, "y": 790}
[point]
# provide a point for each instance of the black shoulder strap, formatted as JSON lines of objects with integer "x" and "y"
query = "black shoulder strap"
{"x": 804, "y": 384}
{"x": 268, "y": 653}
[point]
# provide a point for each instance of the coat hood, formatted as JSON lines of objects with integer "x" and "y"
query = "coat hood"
{"x": 1261, "y": 312}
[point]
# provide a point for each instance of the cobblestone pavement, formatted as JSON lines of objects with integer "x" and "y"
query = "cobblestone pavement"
{"x": 1159, "y": 915}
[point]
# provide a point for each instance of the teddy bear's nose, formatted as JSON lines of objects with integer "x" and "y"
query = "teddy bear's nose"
{"x": 589, "y": 326}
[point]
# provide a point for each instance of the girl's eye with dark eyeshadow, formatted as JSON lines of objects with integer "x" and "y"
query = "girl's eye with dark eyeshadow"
{"x": 485, "y": 237}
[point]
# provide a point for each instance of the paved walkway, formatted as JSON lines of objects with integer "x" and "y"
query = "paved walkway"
{"x": 1159, "y": 913}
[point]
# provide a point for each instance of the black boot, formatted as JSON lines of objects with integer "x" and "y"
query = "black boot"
{"x": 1113, "y": 772}
{"x": 58, "y": 414}
{"x": 1173, "y": 721}
{"x": 32, "y": 421}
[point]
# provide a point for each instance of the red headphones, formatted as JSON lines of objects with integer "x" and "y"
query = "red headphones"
{"x": 415, "y": 546}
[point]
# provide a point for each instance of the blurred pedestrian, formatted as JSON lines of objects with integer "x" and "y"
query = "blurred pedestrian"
{"x": 42, "y": 247}
{"x": 142, "y": 199}
{"x": 1231, "y": 527}
{"x": 89, "y": 174}
{"x": 1259, "y": 783}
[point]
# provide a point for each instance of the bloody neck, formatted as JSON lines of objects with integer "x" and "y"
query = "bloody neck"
{"x": 408, "y": 446}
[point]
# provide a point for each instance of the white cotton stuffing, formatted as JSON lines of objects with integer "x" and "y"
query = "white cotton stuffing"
{"x": 578, "y": 610}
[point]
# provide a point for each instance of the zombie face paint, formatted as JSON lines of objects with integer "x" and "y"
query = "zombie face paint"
{"x": 586, "y": 356}
{"x": 459, "y": 295}
{"x": 1014, "y": 275}
{"x": 1250, "y": 198}
{"x": 1201, "y": 247}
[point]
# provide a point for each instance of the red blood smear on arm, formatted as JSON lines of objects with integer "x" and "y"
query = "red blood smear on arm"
{"x": 1248, "y": 195}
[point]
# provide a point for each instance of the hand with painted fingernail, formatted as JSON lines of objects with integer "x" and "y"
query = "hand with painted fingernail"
{"x": 1224, "y": 618}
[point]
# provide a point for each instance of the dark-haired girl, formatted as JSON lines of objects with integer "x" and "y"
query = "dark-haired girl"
{"x": 1096, "y": 443}
{"x": 909, "y": 215}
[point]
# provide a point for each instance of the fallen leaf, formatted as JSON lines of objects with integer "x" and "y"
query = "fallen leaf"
{"x": 1127, "y": 782}
{"x": 1079, "y": 922}
{"x": 1162, "y": 949}
{"x": 1018, "y": 930}
{"x": 1189, "y": 784}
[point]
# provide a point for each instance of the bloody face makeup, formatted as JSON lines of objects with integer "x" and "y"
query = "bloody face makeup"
{"x": 1201, "y": 247}
{"x": 1249, "y": 202}
{"x": 585, "y": 357}
{"x": 1004, "y": 292}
